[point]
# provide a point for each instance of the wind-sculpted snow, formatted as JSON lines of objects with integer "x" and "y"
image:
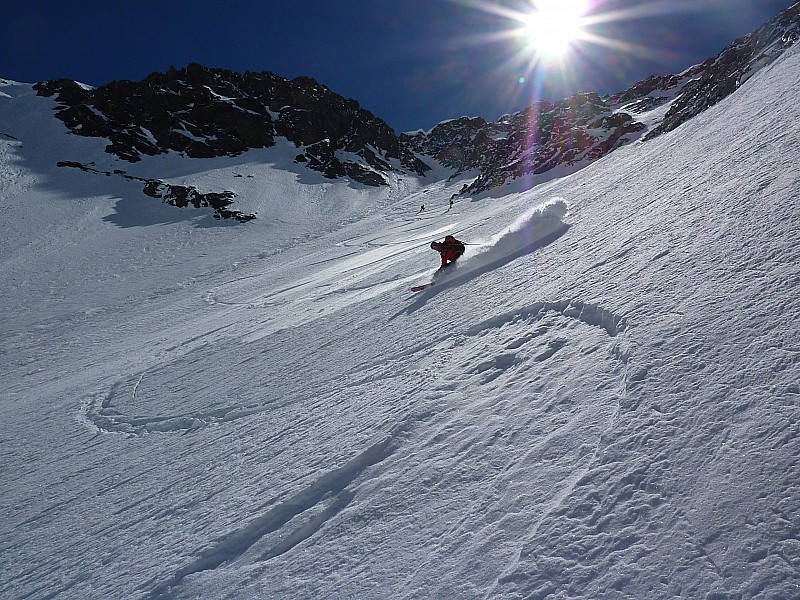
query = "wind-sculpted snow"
{"x": 514, "y": 356}
{"x": 593, "y": 403}
{"x": 116, "y": 411}
{"x": 130, "y": 407}
{"x": 105, "y": 414}
{"x": 520, "y": 359}
{"x": 323, "y": 499}
{"x": 591, "y": 314}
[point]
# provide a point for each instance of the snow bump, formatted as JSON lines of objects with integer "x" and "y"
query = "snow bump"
{"x": 590, "y": 314}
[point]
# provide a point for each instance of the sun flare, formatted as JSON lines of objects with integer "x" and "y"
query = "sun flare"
{"x": 554, "y": 25}
{"x": 546, "y": 45}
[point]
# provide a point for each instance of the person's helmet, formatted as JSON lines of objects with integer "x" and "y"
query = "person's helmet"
{"x": 434, "y": 244}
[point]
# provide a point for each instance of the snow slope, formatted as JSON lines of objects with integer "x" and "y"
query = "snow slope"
{"x": 600, "y": 402}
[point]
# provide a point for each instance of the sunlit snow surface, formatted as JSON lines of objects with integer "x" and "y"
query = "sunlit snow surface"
{"x": 599, "y": 401}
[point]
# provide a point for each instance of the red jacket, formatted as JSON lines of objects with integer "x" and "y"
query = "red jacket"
{"x": 450, "y": 249}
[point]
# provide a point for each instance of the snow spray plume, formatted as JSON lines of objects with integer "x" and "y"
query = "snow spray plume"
{"x": 529, "y": 232}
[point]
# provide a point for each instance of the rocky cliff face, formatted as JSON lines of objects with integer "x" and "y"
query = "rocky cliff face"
{"x": 721, "y": 76}
{"x": 575, "y": 131}
{"x": 532, "y": 142}
{"x": 203, "y": 113}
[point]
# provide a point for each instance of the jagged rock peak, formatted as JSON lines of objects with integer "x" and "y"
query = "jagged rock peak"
{"x": 575, "y": 131}
{"x": 722, "y": 75}
{"x": 205, "y": 112}
{"x": 545, "y": 135}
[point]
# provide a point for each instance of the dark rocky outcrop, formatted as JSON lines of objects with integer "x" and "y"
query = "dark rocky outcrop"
{"x": 657, "y": 88}
{"x": 202, "y": 113}
{"x": 721, "y": 76}
{"x": 182, "y": 196}
{"x": 575, "y": 131}
{"x": 531, "y": 142}
{"x": 175, "y": 195}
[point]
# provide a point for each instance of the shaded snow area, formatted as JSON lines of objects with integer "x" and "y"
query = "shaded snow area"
{"x": 599, "y": 401}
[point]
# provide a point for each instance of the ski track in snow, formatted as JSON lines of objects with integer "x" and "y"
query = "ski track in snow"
{"x": 330, "y": 490}
{"x": 292, "y": 520}
{"x": 108, "y": 414}
{"x": 298, "y": 517}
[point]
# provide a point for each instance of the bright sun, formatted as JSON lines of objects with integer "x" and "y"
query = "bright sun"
{"x": 554, "y": 25}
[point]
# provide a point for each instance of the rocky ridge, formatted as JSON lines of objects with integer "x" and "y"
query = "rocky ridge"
{"x": 722, "y": 75}
{"x": 571, "y": 133}
{"x": 175, "y": 195}
{"x": 204, "y": 112}
{"x": 539, "y": 139}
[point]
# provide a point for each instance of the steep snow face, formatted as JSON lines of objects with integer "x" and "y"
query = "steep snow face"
{"x": 605, "y": 407}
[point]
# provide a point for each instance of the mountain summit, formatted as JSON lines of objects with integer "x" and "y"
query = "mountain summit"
{"x": 207, "y": 112}
{"x": 203, "y": 113}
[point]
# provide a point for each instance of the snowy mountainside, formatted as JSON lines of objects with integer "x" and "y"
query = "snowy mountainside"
{"x": 208, "y": 113}
{"x": 293, "y": 204}
{"x": 554, "y": 139}
{"x": 204, "y": 112}
{"x": 732, "y": 67}
{"x": 607, "y": 408}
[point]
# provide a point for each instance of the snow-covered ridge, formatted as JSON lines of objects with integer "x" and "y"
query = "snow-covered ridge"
{"x": 201, "y": 112}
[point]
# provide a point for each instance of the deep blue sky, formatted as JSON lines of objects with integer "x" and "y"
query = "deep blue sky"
{"x": 411, "y": 62}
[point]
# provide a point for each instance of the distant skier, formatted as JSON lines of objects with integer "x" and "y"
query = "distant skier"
{"x": 450, "y": 249}
{"x": 421, "y": 208}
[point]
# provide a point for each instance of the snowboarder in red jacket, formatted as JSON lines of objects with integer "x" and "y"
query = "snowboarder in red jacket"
{"x": 450, "y": 249}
